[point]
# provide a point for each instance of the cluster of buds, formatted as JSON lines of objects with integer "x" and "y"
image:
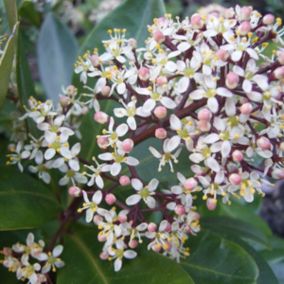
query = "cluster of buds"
{"x": 203, "y": 88}
{"x": 51, "y": 148}
{"x": 30, "y": 262}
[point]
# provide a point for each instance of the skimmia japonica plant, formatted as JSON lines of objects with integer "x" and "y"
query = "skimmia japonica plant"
{"x": 205, "y": 93}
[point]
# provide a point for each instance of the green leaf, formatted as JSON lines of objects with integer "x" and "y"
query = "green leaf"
{"x": 25, "y": 201}
{"x": 234, "y": 227}
{"x": 217, "y": 260}
{"x": 24, "y": 78}
{"x": 28, "y": 12}
{"x": 83, "y": 265}
{"x": 6, "y": 64}
{"x": 133, "y": 15}
{"x": 57, "y": 51}
{"x": 11, "y": 10}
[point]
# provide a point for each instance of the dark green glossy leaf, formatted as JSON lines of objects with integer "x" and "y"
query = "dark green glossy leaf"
{"x": 6, "y": 64}
{"x": 25, "y": 201}
{"x": 230, "y": 226}
{"x": 24, "y": 78}
{"x": 83, "y": 265}
{"x": 133, "y": 15}
{"x": 216, "y": 260}
{"x": 28, "y": 12}
{"x": 57, "y": 51}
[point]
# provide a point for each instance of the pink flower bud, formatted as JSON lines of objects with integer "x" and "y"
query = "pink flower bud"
{"x": 152, "y": 227}
{"x": 133, "y": 244}
{"x": 105, "y": 91}
{"x": 101, "y": 238}
{"x": 97, "y": 219}
{"x": 124, "y": 180}
{"x": 204, "y": 114}
{"x": 179, "y": 210}
{"x": 122, "y": 218}
{"x": 196, "y": 21}
{"x": 110, "y": 199}
{"x": 246, "y": 12}
{"x": 244, "y": 28}
{"x": 280, "y": 57}
{"x": 102, "y": 141}
{"x": 235, "y": 179}
{"x": 211, "y": 203}
{"x": 268, "y": 19}
{"x": 232, "y": 80}
{"x": 279, "y": 73}
{"x": 95, "y": 59}
{"x": 104, "y": 255}
{"x": 158, "y": 36}
{"x": 222, "y": 54}
{"x": 64, "y": 101}
{"x": 74, "y": 191}
{"x": 190, "y": 183}
{"x": 246, "y": 109}
{"x": 203, "y": 125}
{"x": 144, "y": 73}
{"x": 101, "y": 117}
{"x": 263, "y": 143}
{"x": 127, "y": 145}
{"x": 161, "y": 133}
{"x": 6, "y": 251}
{"x": 161, "y": 80}
{"x": 160, "y": 112}
{"x": 237, "y": 156}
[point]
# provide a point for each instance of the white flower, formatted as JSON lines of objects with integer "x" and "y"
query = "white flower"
{"x": 52, "y": 260}
{"x": 91, "y": 207}
{"x": 118, "y": 158}
{"x": 119, "y": 252}
{"x": 143, "y": 192}
{"x": 167, "y": 157}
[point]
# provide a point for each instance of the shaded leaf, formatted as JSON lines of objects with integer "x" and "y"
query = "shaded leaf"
{"x": 81, "y": 254}
{"x": 133, "y": 15}
{"x": 25, "y": 201}
{"x": 11, "y": 10}
{"x": 57, "y": 51}
{"x": 217, "y": 260}
{"x": 6, "y": 64}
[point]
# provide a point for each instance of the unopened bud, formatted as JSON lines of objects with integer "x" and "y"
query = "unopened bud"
{"x": 204, "y": 114}
{"x": 95, "y": 59}
{"x": 105, "y": 91}
{"x": 280, "y": 57}
{"x": 124, "y": 180}
{"x": 101, "y": 117}
{"x": 232, "y": 80}
{"x": 222, "y": 54}
{"x": 160, "y": 112}
{"x": 235, "y": 179}
{"x": 152, "y": 227}
{"x": 190, "y": 183}
{"x": 102, "y": 141}
{"x": 127, "y": 145}
{"x": 268, "y": 19}
{"x": 211, "y": 203}
{"x": 264, "y": 143}
{"x": 110, "y": 199}
{"x": 246, "y": 109}
{"x": 161, "y": 133}
{"x": 161, "y": 80}
{"x": 143, "y": 73}
{"x": 244, "y": 28}
{"x": 196, "y": 21}
{"x": 179, "y": 210}
{"x": 237, "y": 156}
{"x": 279, "y": 73}
{"x": 74, "y": 191}
{"x": 158, "y": 36}
{"x": 133, "y": 244}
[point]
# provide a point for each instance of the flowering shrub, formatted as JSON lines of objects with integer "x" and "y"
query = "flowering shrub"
{"x": 205, "y": 99}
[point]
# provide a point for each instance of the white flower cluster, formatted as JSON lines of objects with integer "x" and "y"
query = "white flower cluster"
{"x": 207, "y": 90}
{"x": 51, "y": 149}
{"x": 30, "y": 262}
